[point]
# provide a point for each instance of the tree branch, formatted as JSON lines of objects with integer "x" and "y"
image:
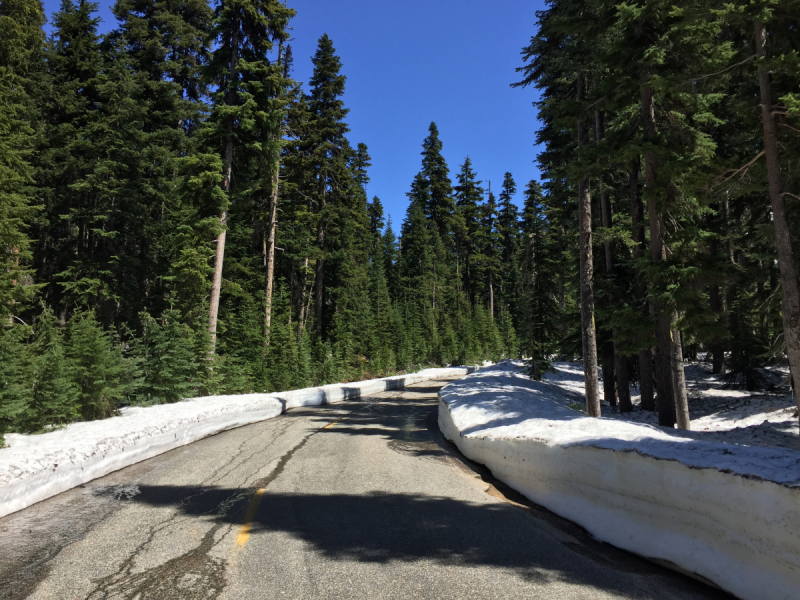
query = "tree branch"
{"x": 789, "y": 127}
{"x": 744, "y": 168}
{"x": 702, "y": 77}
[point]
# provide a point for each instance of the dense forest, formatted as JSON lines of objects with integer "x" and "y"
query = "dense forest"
{"x": 179, "y": 217}
{"x": 671, "y": 173}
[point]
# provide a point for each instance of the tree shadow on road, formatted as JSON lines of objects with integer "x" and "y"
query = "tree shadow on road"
{"x": 382, "y": 528}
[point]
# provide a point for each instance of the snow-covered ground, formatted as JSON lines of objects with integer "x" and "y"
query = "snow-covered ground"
{"x": 726, "y": 512}
{"x": 718, "y": 413}
{"x": 36, "y": 467}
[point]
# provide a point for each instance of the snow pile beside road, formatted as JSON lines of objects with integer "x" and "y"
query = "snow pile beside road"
{"x": 727, "y": 513}
{"x": 36, "y": 467}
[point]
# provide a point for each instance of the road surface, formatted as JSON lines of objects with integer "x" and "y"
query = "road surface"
{"x": 362, "y": 499}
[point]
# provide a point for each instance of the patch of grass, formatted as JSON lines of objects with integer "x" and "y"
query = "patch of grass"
{"x": 581, "y": 408}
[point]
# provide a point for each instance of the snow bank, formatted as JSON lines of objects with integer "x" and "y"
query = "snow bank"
{"x": 36, "y": 467}
{"x": 728, "y": 513}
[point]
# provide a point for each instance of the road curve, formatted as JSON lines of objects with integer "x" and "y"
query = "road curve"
{"x": 362, "y": 499}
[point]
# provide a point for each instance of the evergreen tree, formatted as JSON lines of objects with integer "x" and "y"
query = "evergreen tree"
{"x": 15, "y": 377}
{"x": 434, "y": 189}
{"x": 105, "y": 377}
{"x": 54, "y": 395}
{"x": 21, "y": 38}
{"x": 328, "y": 163}
{"x": 508, "y": 233}
{"x": 466, "y": 227}
{"x": 167, "y": 358}
{"x": 239, "y": 67}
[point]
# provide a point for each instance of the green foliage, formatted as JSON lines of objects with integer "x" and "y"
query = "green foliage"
{"x": 15, "y": 377}
{"x": 168, "y": 360}
{"x": 55, "y": 394}
{"x": 137, "y": 142}
{"x": 104, "y": 375}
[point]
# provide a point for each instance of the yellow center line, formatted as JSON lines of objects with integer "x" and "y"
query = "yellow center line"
{"x": 247, "y": 525}
{"x": 244, "y": 532}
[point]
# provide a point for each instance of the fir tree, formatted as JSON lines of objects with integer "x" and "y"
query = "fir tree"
{"x": 21, "y": 38}
{"x": 468, "y": 196}
{"x": 54, "y": 395}
{"x": 15, "y": 377}
{"x": 167, "y": 358}
{"x": 105, "y": 377}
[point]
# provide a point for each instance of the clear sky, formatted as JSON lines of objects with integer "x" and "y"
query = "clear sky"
{"x": 411, "y": 62}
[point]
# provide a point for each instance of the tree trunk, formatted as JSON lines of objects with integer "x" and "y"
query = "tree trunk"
{"x": 679, "y": 382}
{"x": 587, "y": 277}
{"x": 647, "y": 401}
{"x": 623, "y": 383}
{"x": 618, "y": 362}
{"x": 716, "y": 347}
{"x": 216, "y": 284}
{"x": 273, "y": 214}
{"x": 790, "y": 304}
{"x": 270, "y": 255}
{"x": 319, "y": 280}
{"x": 664, "y": 315}
{"x": 301, "y": 319}
{"x": 491, "y": 297}
{"x": 609, "y": 388}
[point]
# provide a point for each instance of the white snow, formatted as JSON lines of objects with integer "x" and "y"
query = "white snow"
{"x": 727, "y": 512}
{"x": 36, "y": 467}
{"x": 734, "y": 416}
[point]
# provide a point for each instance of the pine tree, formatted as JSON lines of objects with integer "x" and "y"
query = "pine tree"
{"x": 105, "y": 377}
{"x": 167, "y": 359}
{"x": 508, "y": 232}
{"x": 244, "y": 31}
{"x": 21, "y": 38}
{"x": 327, "y": 160}
{"x": 468, "y": 196}
{"x": 434, "y": 188}
{"x": 54, "y": 395}
{"x": 489, "y": 251}
{"x": 15, "y": 377}
{"x": 66, "y": 158}
{"x": 538, "y": 309}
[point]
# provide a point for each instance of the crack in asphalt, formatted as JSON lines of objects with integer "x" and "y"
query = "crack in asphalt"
{"x": 196, "y": 574}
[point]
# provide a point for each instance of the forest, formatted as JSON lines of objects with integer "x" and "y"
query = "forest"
{"x": 671, "y": 178}
{"x": 180, "y": 217}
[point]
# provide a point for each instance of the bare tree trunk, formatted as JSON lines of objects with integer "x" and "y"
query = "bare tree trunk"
{"x": 717, "y": 349}
{"x": 216, "y": 284}
{"x": 790, "y": 304}
{"x": 623, "y": 383}
{"x": 609, "y": 387}
{"x": 679, "y": 382}
{"x": 319, "y": 279}
{"x": 587, "y": 277}
{"x": 491, "y": 298}
{"x": 640, "y": 289}
{"x": 301, "y": 319}
{"x": 270, "y": 254}
{"x": 273, "y": 214}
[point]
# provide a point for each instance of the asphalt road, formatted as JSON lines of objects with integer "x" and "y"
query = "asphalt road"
{"x": 362, "y": 499}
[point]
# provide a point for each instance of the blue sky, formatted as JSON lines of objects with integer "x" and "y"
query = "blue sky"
{"x": 415, "y": 61}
